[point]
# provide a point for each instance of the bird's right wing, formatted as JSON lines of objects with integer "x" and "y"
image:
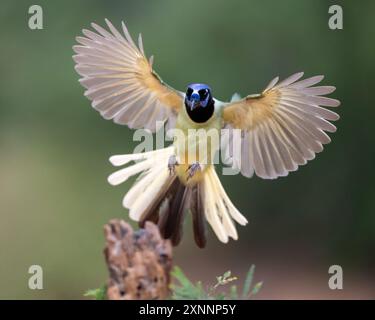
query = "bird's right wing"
{"x": 120, "y": 80}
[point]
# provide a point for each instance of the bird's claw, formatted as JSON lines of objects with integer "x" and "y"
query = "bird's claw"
{"x": 172, "y": 163}
{"x": 193, "y": 169}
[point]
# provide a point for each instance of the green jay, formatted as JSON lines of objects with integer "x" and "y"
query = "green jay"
{"x": 280, "y": 129}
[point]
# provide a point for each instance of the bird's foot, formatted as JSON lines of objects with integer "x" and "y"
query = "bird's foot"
{"x": 172, "y": 163}
{"x": 193, "y": 169}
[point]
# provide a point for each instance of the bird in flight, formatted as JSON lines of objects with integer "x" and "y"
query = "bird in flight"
{"x": 281, "y": 128}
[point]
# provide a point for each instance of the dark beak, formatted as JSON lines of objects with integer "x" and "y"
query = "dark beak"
{"x": 194, "y": 104}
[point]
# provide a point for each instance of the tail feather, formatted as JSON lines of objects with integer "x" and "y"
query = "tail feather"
{"x": 161, "y": 197}
{"x": 151, "y": 196}
{"x": 197, "y": 211}
{"x": 152, "y": 211}
{"x": 141, "y": 185}
{"x": 172, "y": 218}
{"x": 219, "y": 209}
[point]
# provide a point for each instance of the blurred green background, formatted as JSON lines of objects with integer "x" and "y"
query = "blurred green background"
{"x": 54, "y": 148}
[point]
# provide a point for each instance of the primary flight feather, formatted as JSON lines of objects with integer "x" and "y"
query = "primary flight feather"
{"x": 281, "y": 128}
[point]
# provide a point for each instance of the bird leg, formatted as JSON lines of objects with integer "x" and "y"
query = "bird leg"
{"x": 193, "y": 169}
{"x": 172, "y": 163}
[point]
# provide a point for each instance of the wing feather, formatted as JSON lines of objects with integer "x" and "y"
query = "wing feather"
{"x": 282, "y": 128}
{"x": 120, "y": 81}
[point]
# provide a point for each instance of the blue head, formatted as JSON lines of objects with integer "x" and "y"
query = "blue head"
{"x": 199, "y": 102}
{"x": 197, "y": 95}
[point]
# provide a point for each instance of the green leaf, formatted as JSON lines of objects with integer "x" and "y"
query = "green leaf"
{"x": 233, "y": 292}
{"x": 186, "y": 289}
{"x": 97, "y": 294}
{"x": 183, "y": 288}
{"x": 248, "y": 281}
{"x": 180, "y": 276}
{"x": 256, "y": 288}
{"x": 227, "y": 274}
{"x": 220, "y": 296}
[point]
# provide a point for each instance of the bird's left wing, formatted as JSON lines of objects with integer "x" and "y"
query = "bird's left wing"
{"x": 281, "y": 128}
{"x": 120, "y": 80}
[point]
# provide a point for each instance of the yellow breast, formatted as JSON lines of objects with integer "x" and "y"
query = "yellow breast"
{"x": 196, "y": 142}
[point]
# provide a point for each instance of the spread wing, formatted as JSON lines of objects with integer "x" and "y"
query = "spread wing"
{"x": 120, "y": 80}
{"x": 281, "y": 128}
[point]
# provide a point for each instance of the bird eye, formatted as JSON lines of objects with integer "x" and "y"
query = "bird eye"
{"x": 203, "y": 93}
{"x": 189, "y": 92}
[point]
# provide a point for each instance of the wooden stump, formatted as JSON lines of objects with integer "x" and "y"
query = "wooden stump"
{"x": 139, "y": 262}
